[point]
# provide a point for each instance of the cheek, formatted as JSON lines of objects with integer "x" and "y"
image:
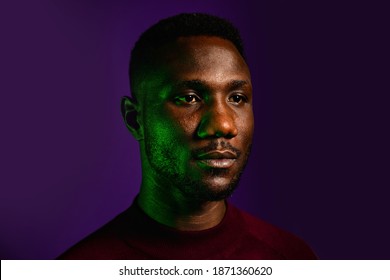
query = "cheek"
{"x": 246, "y": 130}
{"x": 183, "y": 120}
{"x": 188, "y": 124}
{"x": 169, "y": 127}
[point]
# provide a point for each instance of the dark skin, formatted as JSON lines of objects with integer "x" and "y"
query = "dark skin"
{"x": 194, "y": 122}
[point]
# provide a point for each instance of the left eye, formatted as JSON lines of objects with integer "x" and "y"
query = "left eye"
{"x": 187, "y": 99}
{"x": 237, "y": 98}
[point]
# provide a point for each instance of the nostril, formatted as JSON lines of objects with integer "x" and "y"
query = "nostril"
{"x": 217, "y": 125}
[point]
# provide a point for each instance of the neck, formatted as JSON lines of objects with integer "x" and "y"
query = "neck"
{"x": 179, "y": 212}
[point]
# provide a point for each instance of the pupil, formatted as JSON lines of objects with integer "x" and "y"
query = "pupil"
{"x": 189, "y": 98}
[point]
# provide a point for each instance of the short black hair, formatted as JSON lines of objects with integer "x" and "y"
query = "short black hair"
{"x": 168, "y": 30}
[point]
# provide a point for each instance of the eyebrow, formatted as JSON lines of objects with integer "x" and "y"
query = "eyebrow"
{"x": 237, "y": 84}
{"x": 202, "y": 85}
{"x": 194, "y": 84}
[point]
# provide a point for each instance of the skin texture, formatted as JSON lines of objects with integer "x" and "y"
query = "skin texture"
{"x": 194, "y": 122}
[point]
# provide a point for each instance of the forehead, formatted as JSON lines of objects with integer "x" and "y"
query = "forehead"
{"x": 203, "y": 57}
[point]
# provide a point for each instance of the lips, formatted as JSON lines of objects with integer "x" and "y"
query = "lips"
{"x": 217, "y": 159}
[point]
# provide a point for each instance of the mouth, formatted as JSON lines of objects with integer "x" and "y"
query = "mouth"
{"x": 217, "y": 159}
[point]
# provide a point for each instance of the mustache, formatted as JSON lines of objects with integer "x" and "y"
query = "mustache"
{"x": 213, "y": 145}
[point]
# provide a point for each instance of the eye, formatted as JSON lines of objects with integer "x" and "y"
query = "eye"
{"x": 187, "y": 99}
{"x": 238, "y": 98}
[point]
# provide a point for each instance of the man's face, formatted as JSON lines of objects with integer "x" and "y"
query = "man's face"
{"x": 197, "y": 118}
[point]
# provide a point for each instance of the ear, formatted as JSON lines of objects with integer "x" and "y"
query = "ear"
{"x": 131, "y": 115}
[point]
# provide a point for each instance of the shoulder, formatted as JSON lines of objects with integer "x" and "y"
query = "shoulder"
{"x": 105, "y": 243}
{"x": 284, "y": 243}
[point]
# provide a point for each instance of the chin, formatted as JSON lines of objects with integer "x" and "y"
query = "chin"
{"x": 210, "y": 189}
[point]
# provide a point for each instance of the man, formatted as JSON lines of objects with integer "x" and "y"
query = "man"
{"x": 191, "y": 112}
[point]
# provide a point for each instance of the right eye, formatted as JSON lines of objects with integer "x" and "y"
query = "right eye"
{"x": 188, "y": 99}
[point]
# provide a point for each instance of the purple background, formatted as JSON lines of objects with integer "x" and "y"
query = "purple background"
{"x": 320, "y": 161}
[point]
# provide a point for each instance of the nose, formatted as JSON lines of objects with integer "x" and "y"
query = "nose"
{"x": 218, "y": 121}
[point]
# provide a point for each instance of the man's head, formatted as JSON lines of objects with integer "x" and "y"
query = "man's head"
{"x": 191, "y": 108}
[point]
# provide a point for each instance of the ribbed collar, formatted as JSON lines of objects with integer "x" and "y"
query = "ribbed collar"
{"x": 162, "y": 242}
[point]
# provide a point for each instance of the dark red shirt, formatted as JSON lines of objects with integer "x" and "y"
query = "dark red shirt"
{"x": 134, "y": 235}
